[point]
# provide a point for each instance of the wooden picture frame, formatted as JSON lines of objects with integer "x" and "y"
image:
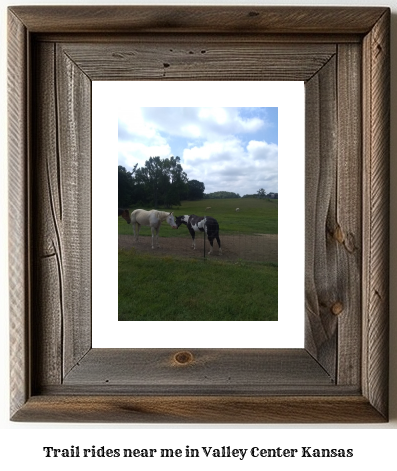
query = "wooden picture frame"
{"x": 342, "y": 54}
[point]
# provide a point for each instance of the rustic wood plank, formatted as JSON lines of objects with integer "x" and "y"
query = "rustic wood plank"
{"x": 199, "y": 409}
{"x": 140, "y": 59}
{"x": 252, "y": 368}
{"x": 73, "y": 109}
{"x": 244, "y": 37}
{"x": 63, "y": 229}
{"x": 376, "y": 93}
{"x": 321, "y": 278}
{"x": 18, "y": 210}
{"x": 251, "y": 390}
{"x": 347, "y": 226}
{"x": 199, "y": 19}
{"x": 47, "y": 328}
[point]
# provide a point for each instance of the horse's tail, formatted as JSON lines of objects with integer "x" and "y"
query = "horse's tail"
{"x": 215, "y": 228}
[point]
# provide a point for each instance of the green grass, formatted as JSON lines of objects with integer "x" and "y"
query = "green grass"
{"x": 255, "y": 216}
{"x": 172, "y": 289}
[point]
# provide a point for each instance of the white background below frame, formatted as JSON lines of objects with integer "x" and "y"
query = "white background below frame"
{"x": 288, "y": 331}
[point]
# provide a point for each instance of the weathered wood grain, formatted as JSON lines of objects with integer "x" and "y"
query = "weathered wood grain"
{"x": 341, "y": 375}
{"x": 47, "y": 200}
{"x": 321, "y": 277}
{"x": 199, "y": 19}
{"x": 346, "y": 229}
{"x": 376, "y": 107}
{"x": 228, "y": 368}
{"x": 333, "y": 215}
{"x": 195, "y": 39}
{"x": 223, "y": 59}
{"x": 74, "y": 135}
{"x": 199, "y": 409}
{"x": 19, "y": 223}
{"x": 62, "y": 262}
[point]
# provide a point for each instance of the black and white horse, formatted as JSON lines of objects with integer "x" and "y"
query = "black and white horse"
{"x": 205, "y": 224}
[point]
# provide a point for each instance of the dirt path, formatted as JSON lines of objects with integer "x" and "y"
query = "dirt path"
{"x": 260, "y": 248}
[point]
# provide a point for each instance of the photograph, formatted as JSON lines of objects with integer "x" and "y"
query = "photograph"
{"x": 198, "y": 214}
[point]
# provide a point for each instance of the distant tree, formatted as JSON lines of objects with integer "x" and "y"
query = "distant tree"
{"x": 176, "y": 182}
{"x": 163, "y": 180}
{"x": 195, "y": 190}
{"x": 126, "y": 186}
{"x": 154, "y": 168}
{"x": 261, "y": 193}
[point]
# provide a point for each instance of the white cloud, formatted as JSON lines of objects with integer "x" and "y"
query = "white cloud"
{"x": 131, "y": 153}
{"x": 214, "y": 144}
{"x": 208, "y": 123}
{"x": 230, "y": 166}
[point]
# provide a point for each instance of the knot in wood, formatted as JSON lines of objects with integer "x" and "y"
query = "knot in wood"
{"x": 183, "y": 358}
{"x": 338, "y": 235}
{"x": 337, "y": 308}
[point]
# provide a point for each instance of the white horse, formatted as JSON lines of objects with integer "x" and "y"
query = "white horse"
{"x": 152, "y": 218}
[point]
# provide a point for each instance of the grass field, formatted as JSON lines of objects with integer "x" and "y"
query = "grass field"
{"x": 255, "y": 216}
{"x": 159, "y": 288}
{"x": 168, "y": 288}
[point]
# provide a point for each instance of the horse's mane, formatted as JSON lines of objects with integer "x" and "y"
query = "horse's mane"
{"x": 161, "y": 214}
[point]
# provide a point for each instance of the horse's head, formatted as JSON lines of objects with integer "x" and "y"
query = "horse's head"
{"x": 171, "y": 221}
{"x": 124, "y": 213}
{"x": 179, "y": 220}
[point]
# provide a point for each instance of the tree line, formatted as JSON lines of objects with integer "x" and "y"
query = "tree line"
{"x": 221, "y": 195}
{"x": 163, "y": 183}
{"x": 159, "y": 183}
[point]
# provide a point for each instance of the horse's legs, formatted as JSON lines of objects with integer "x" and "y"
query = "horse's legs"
{"x": 135, "y": 227}
{"x": 193, "y": 234}
{"x": 211, "y": 240}
{"x": 157, "y": 237}
{"x": 153, "y": 234}
{"x": 219, "y": 244}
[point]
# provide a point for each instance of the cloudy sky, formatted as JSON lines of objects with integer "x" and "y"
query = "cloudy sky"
{"x": 228, "y": 149}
